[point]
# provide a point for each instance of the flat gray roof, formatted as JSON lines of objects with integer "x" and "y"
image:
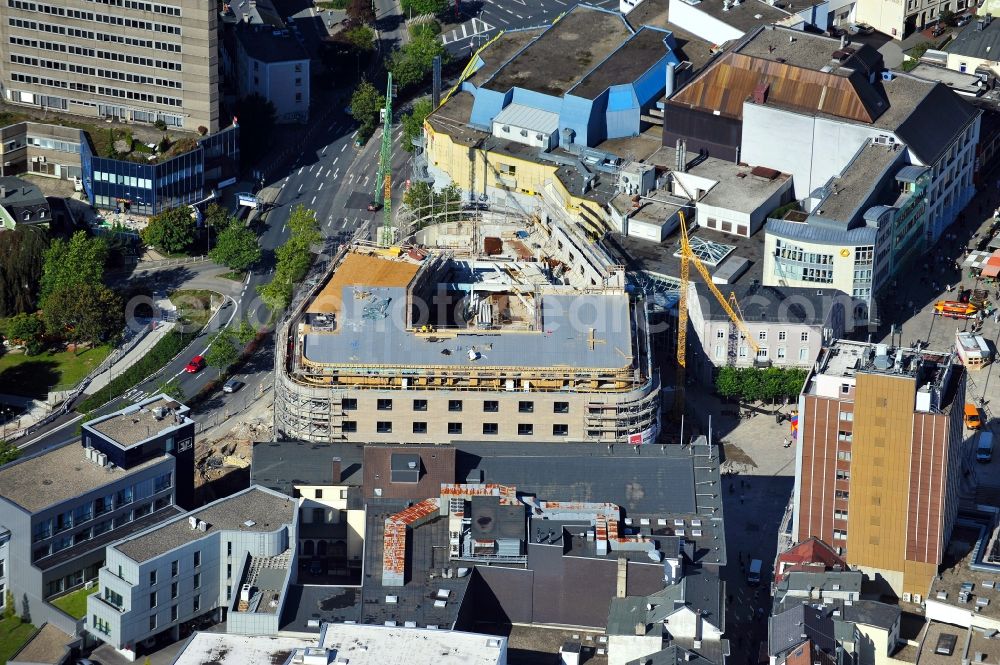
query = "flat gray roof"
{"x": 267, "y": 510}
{"x": 49, "y": 646}
{"x": 138, "y": 422}
{"x": 58, "y": 475}
{"x": 224, "y": 649}
{"x": 855, "y": 186}
{"x": 745, "y": 16}
{"x": 563, "y": 341}
{"x": 626, "y": 64}
{"x": 528, "y": 117}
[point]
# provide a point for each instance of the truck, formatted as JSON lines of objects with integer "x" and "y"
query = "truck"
{"x": 984, "y": 447}
{"x": 973, "y": 350}
{"x": 753, "y": 572}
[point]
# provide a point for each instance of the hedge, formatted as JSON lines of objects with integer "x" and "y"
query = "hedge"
{"x": 162, "y": 353}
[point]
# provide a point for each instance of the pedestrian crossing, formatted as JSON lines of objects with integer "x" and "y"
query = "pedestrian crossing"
{"x": 135, "y": 395}
{"x": 467, "y": 30}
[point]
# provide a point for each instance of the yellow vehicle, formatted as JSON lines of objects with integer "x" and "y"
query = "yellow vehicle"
{"x": 972, "y": 417}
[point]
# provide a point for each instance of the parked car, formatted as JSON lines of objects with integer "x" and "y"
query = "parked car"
{"x": 861, "y": 29}
{"x": 232, "y": 385}
{"x": 962, "y": 21}
{"x": 196, "y": 365}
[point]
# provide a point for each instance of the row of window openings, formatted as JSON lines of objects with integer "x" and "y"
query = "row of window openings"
{"x": 174, "y": 588}
{"x": 88, "y": 511}
{"x": 60, "y": 543}
{"x": 722, "y": 333}
{"x": 100, "y": 89}
{"x": 762, "y": 352}
{"x": 175, "y": 568}
{"x": 102, "y": 626}
{"x": 97, "y": 17}
{"x": 523, "y": 429}
{"x": 116, "y": 75}
{"x": 456, "y": 405}
{"x": 86, "y": 51}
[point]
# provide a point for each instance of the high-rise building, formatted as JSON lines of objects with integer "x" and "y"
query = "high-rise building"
{"x": 125, "y": 59}
{"x": 878, "y": 467}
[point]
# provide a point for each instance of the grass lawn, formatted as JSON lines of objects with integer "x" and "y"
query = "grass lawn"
{"x": 35, "y": 376}
{"x": 194, "y": 306}
{"x": 13, "y": 635}
{"x": 233, "y": 275}
{"x": 74, "y": 603}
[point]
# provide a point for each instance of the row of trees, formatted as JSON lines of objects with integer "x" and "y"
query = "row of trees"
{"x": 292, "y": 259}
{"x": 174, "y": 230}
{"x": 756, "y": 384}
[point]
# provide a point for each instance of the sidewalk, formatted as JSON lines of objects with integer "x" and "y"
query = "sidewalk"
{"x": 33, "y": 410}
{"x": 160, "y": 329}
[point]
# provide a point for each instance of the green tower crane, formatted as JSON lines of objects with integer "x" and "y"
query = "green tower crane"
{"x": 383, "y": 180}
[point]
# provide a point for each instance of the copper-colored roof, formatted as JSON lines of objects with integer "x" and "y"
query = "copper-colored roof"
{"x": 362, "y": 270}
{"x": 437, "y": 467}
{"x": 725, "y": 85}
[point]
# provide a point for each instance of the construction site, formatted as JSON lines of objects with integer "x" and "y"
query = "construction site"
{"x": 498, "y": 326}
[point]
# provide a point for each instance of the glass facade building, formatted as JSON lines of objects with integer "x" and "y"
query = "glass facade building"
{"x": 148, "y": 189}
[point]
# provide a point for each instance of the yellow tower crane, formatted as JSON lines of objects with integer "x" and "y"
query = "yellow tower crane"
{"x": 730, "y": 306}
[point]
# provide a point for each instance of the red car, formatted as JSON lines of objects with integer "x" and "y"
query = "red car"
{"x": 196, "y": 364}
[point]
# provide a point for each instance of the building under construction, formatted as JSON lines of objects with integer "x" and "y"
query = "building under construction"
{"x": 486, "y": 329}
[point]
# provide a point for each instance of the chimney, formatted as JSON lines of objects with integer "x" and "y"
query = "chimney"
{"x": 640, "y": 629}
{"x": 671, "y": 79}
{"x": 3, "y": 192}
{"x": 623, "y": 578}
{"x": 335, "y": 475}
{"x": 843, "y": 41}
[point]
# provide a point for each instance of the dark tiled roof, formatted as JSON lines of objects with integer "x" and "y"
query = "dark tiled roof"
{"x": 795, "y": 625}
{"x": 437, "y": 466}
{"x": 935, "y": 122}
{"x": 975, "y": 43}
{"x": 283, "y": 464}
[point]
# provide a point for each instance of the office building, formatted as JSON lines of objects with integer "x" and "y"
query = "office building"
{"x": 527, "y": 335}
{"x": 138, "y": 62}
{"x": 878, "y": 465}
{"x": 232, "y": 559}
{"x": 41, "y": 149}
{"x": 62, "y": 507}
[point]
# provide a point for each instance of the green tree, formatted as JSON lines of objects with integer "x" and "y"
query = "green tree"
{"x": 223, "y": 351}
{"x": 413, "y": 122}
{"x": 426, "y": 28}
{"x": 751, "y": 384}
{"x": 361, "y": 37}
{"x": 727, "y": 382}
{"x": 366, "y": 103}
{"x": 74, "y": 263}
{"x": 172, "y": 389}
{"x": 794, "y": 380}
{"x": 303, "y": 226}
{"x": 236, "y": 248}
{"x": 276, "y": 294}
{"x": 412, "y": 63}
{"x": 256, "y": 116}
{"x": 171, "y": 231}
{"x": 218, "y": 218}
{"x": 361, "y": 11}
{"x": 245, "y": 333}
{"x": 28, "y": 329}
{"x": 85, "y": 313}
{"x": 22, "y": 255}
{"x": 418, "y": 197}
{"x": 8, "y": 453}
{"x": 772, "y": 383}
{"x": 418, "y": 7}
{"x": 8, "y": 607}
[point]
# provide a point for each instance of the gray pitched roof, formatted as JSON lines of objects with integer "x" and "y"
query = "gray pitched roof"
{"x": 797, "y": 624}
{"x": 699, "y": 589}
{"x": 282, "y": 465}
{"x": 871, "y": 613}
{"x": 935, "y": 123}
{"x": 819, "y": 233}
{"x": 768, "y": 303}
{"x": 800, "y": 580}
{"x": 975, "y": 43}
{"x": 672, "y": 655}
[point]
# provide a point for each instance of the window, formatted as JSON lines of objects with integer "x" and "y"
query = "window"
{"x": 113, "y": 598}
{"x": 229, "y": 591}
{"x": 383, "y": 427}
{"x": 560, "y": 407}
{"x": 840, "y": 534}
{"x": 847, "y": 416}
{"x": 804, "y": 336}
{"x": 560, "y": 430}
{"x": 173, "y": 613}
{"x": 508, "y": 169}
{"x": 349, "y": 404}
{"x": 152, "y": 600}
{"x": 491, "y": 428}
{"x": 173, "y": 589}
{"x": 384, "y": 405}
{"x": 762, "y": 352}
{"x": 229, "y": 548}
{"x": 298, "y": 96}
{"x": 781, "y": 353}
{"x": 197, "y": 580}
{"x": 782, "y": 335}
{"x": 804, "y": 354}
{"x": 839, "y": 514}
{"x": 152, "y": 577}
{"x": 720, "y": 333}
{"x": 229, "y": 570}
{"x": 843, "y": 475}
{"x": 845, "y": 388}
{"x": 525, "y": 429}
{"x": 419, "y": 428}
{"x": 124, "y": 496}
{"x": 197, "y": 558}
{"x": 173, "y": 568}
{"x": 846, "y": 437}
{"x": 525, "y": 407}
{"x": 762, "y": 335}
{"x": 101, "y": 626}
{"x": 318, "y": 494}
{"x": 491, "y": 406}
{"x": 298, "y": 81}
{"x": 419, "y": 405}
{"x": 743, "y": 352}
{"x": 454, "y": 405}
{"x": 152, "y": 622}
{"x": 844, "y": 455}
{"x": 454, "y": 428}
{"x": 841, "y": 494}
{"x": 196, "y": 603}
{"x": 349, "y": 426}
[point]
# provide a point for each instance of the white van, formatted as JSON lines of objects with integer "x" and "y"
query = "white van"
{"x": 753, "y": 573}
{"x": 984, "y": 448}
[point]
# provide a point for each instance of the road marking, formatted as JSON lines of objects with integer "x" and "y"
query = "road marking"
{"x": 509, "y": 11}
{"x": 355, "y": 134}
{"x": 319, "y": 171}
{"x": 465, "y": 32}
{"x": 561, "y": 3}
{"x": 313, "y": 201}
{"x": 365, "y": 182}
{"x": 300, "y": 189}
{"x": 324, "y": 149}
{"x": 301, "y": 169}
{"x": 336, "y": 173}
{"x": 505, "y": 21}
{"x": 248, "y": 278}
{"x": 283, "y": 227}
{"x": 519, "y": 16}
{"x": 344, "y": 225}
{"x": 320, "y": 187}
{"x": 311, "y": 168}
{"x": 350, "y": 177}
{"x": 335, "y": 159}
{"x": 282, "y": 186}
{"x": 343, "y": 148}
